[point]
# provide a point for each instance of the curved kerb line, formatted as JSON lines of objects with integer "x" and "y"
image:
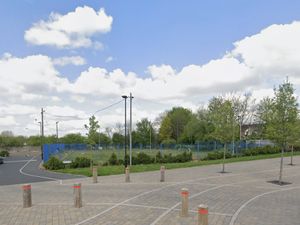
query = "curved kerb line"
{"x": 158, "y": 189}
{"x": 32, "y": 175}
{"x": 236, "y": 214}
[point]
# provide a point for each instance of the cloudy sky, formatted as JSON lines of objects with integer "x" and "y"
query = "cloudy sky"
{"x": 75, "y": 57}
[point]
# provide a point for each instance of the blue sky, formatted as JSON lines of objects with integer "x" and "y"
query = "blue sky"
{"x": 75, "y": 57}
{"x": 177, "y": 33}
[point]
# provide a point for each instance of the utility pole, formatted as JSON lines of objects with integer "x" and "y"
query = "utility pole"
{"x": 130, "y": 131}
{"x": 125, "y": 133}
{"x": 42, "y": 132}
{"x": 99, "y": 138}
{"x": 56, "y": 131}
{"x": 150, "y": 128}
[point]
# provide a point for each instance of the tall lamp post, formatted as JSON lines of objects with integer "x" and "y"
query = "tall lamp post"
{"x": 125, "y": 136}
{"x": 56, "y": 123}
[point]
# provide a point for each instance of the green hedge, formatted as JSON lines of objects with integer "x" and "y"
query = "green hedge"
{"x": 261, "y": 150}
{"x": 4, "y": 153}
{"x": 54, "y": 164}
{"x": 80, "y": 162}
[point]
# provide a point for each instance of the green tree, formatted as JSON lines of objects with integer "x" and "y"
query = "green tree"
{"x": 144, "y": 132}
{"x": 92, "y": 129}
{"x": 198, "y": 128}
{"x": 223, "y": 118}
{"x": 282, "y": 117}
{"x": 172, "y": 125}
{"x": 117, "y": 138}
{"x": 75, "y": 138}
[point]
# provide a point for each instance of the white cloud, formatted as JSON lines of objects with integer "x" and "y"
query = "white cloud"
{"x": 73, "y": 60}
{"x": 275, "y": 50}
{"x": 8, "y": 121}
{"x": 72, "y": 30}
{"x": 255, "y": 64}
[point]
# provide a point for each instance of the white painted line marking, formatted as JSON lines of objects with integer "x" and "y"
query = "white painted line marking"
{"x": 31, "y": 175}
{"x": 236, "y": 214}
{"x": 183, "y": 182}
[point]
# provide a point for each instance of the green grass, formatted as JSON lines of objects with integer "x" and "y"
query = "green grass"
{"x": 112, "y": 170}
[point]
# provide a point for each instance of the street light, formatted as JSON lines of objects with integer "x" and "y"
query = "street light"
{"x": 125, "y": 141}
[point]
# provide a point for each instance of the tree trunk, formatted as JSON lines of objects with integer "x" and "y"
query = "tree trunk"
{"x": 292, "y": 155}
{"x": 281, "y": 166}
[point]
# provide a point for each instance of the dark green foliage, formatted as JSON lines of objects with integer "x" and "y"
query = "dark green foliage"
{"x": 143, "y": 158}
{"x": 261, "y": 150}
{"x": 80, "y": 162}
{"x": 113, "y": 160}
{"x": 4, "y": 153}
{"x": 217, "y": 155}
{"x": 54, "y": 164}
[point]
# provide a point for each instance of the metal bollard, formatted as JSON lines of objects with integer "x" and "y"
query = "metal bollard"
{"x": 127, "y": 175}
{"x": 27, "y": 201}
{"x": 77, "y": 195}
{"x": 162, "y": 173}
{"x": 95, "y": 174}
{"x": 185, "y": 202}
{"x": 202, "y": 215}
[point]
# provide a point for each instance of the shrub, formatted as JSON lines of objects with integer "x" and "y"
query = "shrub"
{"x": 158, "y": 157}
{"x": 261, "y": 150}
{"x": 4, "y": 153}
{"x": 143, "y": 158}
{"x": 54, "y": 164}
{"x": 80, "y": 162}
{"x": 113, "y": 160}
{"x": 217, "y": 155}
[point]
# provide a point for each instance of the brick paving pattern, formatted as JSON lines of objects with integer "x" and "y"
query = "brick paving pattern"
{"x": 241, "y": 197}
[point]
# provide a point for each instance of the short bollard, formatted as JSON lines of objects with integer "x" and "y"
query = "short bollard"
{"x": 162, "y": 173}
{"x": 185, "y": 202}
{"x": 202, "y": 215}
{"x": 27, "y": 202}
{"x": 127, "y": 174}
{"x": 77, "y": 195}
{"x": 95, "y": 174}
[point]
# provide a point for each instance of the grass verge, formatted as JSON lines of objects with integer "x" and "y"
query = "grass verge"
{"x": 113, "y": 170}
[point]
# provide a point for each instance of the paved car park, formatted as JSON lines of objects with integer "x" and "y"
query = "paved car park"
{"x": 25, "y": 169}
{"x": 241, "y": 197}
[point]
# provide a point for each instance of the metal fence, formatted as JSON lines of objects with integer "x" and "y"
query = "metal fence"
{"x": 235, "y": 147}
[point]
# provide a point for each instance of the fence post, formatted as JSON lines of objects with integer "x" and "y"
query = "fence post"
{"x": 162, "y": 173}
{"x": 95, "y": 174}
{"x": 184, "y": 202}
{"x": 202, "y": 215}
{"x": 77, "y": 195}
{"x": 27, "y": 200}
{"x": 127, "y": 175}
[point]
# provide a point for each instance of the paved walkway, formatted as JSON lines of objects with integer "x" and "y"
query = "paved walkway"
{"x": 241, "y": 197}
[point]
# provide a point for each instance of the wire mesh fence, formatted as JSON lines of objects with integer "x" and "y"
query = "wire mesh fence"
{"x": 102, "y": 152}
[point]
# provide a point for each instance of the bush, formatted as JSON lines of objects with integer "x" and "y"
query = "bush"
{"x": 80, "y": 162}
{"x": 113, "y": 160}
{"x": 4, "y": 153}
{"x": 54, "y": 164}
{"x": 218, "y": 155}
{"x": 261, "y": 150}
{"x": 143, "y": 158}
